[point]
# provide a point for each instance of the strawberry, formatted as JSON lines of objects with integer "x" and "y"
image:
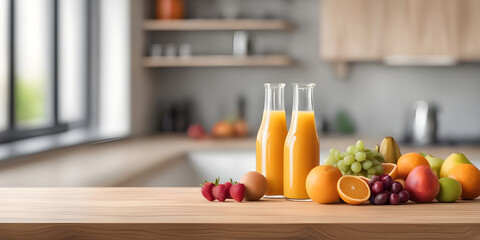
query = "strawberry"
{"x": 228, "y": 185}
{"x": 207, "y": 190}
{"x": 237, "y": 192}
{"x": 219, "y": 191}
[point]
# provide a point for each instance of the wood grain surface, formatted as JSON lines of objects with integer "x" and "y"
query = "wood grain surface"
{"x": 215, "y": 24}
{"x": 371, "y": 30}
{"x": 153, "y": 213}
{"x": 218, "y": 61}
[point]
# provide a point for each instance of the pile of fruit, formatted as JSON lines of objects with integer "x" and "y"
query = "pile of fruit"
{"x": 392, "y": 178}
{"x": 221, "y": 129}
{"x": 379, "y": 176}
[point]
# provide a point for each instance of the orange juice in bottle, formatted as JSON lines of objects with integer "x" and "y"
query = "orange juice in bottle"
{"x": 271, "y": 138}
{"x": 301, "y": 149}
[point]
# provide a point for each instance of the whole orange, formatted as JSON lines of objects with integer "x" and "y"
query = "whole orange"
{"x": 407, "y": 162}
{"x": 321, "y": 184}
{"x": 469, "y": 177}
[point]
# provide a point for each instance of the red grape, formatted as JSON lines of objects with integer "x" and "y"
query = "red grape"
{"x": 372, "y": 199}
{"x": 386, "y": 180}
{"x": 394, "y": 199}
{"x": 404, "y": 196}
{"x": 381, "y": 198}
{"x": 387, "y": 192}
{"x": 373, "y": 180}
{"x": 396, "y": 187}
{"x": 377, "y": 187}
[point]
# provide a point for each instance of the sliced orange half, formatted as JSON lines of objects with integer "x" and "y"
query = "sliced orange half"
{"x": 353, "y": 189}
{"x": 390, "y": 169}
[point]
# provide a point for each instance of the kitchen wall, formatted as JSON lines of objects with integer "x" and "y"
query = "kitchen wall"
{"x": 378, "y": 97}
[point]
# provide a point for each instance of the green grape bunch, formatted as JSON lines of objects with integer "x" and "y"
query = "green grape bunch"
{"x": 356, "y": 160}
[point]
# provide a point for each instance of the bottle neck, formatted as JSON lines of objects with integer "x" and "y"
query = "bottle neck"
{"x": 274, "y": 97}
{"x": 302, "y": 97}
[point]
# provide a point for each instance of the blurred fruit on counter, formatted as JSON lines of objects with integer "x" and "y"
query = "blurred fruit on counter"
{"x": 170, "y": 9}
{"x": 390, "y": 150}
{"x": 422, "y": 184}
{"x": 240, "y": 128}
{"x": 196, "y": 131}
{"x": 451, "y": 161}
{"x": 407, "y": 162}
{"x": 222, "y": 129}
{"x": 435, "y": 163}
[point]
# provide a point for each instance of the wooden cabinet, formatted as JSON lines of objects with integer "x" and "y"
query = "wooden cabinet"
{"x": 469, "y": 30}
{"x": 371, "y": 30}
{"x": 351, "y": 29}
{"x": 421, "y": 28}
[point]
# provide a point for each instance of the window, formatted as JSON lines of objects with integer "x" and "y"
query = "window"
{"x": 72, "y": 60}
{"x": 4, "y": 16}
{"x": 33, "y": 73}
{"x": 43, "y": 67}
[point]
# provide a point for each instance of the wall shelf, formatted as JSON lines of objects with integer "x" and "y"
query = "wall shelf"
{"x": 219, "y": 61}
{"x": 215, "y": 24}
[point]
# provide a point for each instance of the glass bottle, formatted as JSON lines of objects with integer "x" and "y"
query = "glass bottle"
{"x": 271, "y": 138}
{"x": 302, "y": 149}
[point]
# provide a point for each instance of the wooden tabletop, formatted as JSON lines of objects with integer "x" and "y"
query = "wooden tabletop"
{"x": 153, "y": 213}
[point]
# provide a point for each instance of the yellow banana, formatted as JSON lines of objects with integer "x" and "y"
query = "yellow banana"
{"x": 390, "y": 150}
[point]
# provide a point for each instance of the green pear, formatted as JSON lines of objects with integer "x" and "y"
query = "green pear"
{"x": 451, "y": 161}
{"x": 435, "y": 163}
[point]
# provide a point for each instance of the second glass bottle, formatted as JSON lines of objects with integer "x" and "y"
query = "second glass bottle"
{"x": 301, "y": 149}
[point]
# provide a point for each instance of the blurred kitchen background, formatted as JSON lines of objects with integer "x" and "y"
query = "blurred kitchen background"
{"x": 101, "y": 92}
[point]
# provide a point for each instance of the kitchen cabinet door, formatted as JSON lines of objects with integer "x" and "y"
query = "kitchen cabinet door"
{"x": 469, "y": 30}
{"x": 351, "y": 30}
{"x": 421, "y": 28}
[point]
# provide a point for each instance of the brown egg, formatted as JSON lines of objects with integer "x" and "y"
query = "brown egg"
{"x": 255, "y": 185}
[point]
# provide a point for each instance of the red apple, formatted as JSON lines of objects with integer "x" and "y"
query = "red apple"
{"x": 196, "y": 131}
{"x": 422, "y": 184}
